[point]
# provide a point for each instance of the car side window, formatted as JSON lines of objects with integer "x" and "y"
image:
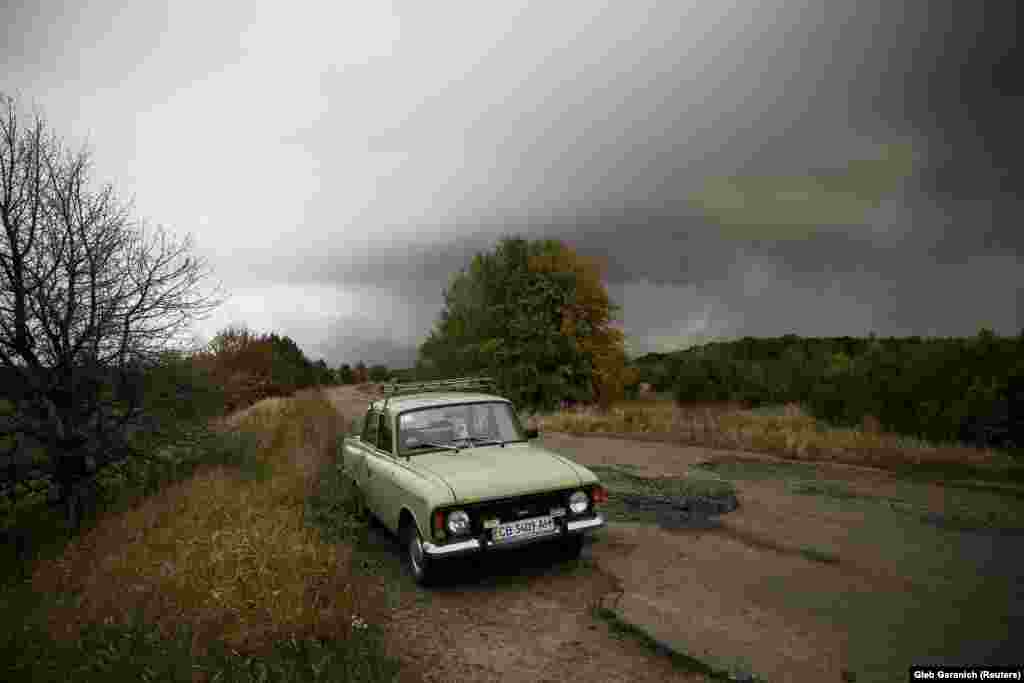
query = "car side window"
{"x": 370, "y": 428}
{"x": 384, "y": 440}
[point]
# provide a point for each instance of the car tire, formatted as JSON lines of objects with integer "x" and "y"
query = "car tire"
{"x": 421, "y": 567}
{"x": 572, "y": 547}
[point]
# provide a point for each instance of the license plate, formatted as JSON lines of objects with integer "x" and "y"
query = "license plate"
{"x": 524, "y": 528}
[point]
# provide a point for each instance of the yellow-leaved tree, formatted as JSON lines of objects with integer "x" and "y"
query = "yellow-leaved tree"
{"x": 588, "y": 321}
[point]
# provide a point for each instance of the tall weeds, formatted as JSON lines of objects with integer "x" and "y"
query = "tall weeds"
{"x": 785, "y": 431}
{"x": 228, "y": 553}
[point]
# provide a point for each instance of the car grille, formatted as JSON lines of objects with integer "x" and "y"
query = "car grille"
{"x": 511, "y": 509}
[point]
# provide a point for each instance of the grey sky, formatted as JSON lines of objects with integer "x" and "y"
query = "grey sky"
{"x": 747, "y": 168}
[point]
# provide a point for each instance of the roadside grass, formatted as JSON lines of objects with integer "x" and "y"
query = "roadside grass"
{"x": 819, "y": 555}
{"x": 698, "y": 482}
{"x": 332, "y": 510}
{"x": 785, "y": 431}
{"x": 754, "y": 470}
{"x": 830, "y": 489}
{"x": 137, "y": 651}
{"x": 221, "y": 576}
{"x": 33, "y": 527}
{"x": 636, "y": 415}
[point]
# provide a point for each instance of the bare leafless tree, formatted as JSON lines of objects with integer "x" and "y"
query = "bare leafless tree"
{"x": 89, "y": 299}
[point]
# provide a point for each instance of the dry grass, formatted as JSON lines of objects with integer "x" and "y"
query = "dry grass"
{"x": 786, "y": 431}
{"x": 229, "y": 556}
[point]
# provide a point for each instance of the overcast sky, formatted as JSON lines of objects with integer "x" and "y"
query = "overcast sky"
{"x": 746, "y": 168}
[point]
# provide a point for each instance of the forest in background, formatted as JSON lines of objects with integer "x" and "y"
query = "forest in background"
{"x": 947, "y": 389}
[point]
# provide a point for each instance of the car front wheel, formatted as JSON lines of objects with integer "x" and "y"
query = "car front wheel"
{"x": 572, "y": 546}
{"x": 417, "y": 560}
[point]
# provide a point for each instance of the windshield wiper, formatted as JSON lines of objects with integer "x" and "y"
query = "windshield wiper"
{"x": 430, "y": 444}
{"x": 482, "y": 441}
{"x": 473, "y": 440}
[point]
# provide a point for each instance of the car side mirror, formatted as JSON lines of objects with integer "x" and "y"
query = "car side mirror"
{"x": 532, "y": 433}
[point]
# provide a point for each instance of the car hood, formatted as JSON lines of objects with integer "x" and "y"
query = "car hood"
{"x": 486, "y": 472}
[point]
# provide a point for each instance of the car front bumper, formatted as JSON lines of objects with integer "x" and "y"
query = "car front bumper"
{"x": 482, "y": 543}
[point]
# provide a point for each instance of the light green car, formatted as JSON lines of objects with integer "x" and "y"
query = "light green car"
{"x": 452, "y": 472}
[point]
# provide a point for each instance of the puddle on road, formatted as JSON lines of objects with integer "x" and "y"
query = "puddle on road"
{"x": 680, "y": 513}
{"x": 671, "y": 502}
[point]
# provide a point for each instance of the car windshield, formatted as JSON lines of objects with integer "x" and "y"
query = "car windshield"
{"x": 458, "y": 426}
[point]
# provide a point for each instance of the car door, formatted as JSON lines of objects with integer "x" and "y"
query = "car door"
{"x": 355, "y": 451}
{"x": 383, "y": 475}
{"x": 362, "y": 455}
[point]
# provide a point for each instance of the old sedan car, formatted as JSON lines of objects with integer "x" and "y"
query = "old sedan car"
{"x": 452, "y": 472}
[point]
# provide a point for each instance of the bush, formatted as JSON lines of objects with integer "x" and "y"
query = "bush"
{"x": 379, "y": 373}
{"x": 251, "y": 367}
{"x": 180, "y": 391}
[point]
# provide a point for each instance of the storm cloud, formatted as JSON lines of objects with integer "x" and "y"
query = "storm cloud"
{"x": 744, "y": 168}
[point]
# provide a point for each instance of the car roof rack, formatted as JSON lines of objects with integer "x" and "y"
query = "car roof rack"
{"x": 456, "y": 384}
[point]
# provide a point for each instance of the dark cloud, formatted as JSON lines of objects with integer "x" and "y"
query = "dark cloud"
{"x": 809, "y": 166}
{"x": 875, "y": 159}
{"x": 967, "y": 95}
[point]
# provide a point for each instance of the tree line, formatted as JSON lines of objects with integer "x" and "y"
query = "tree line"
{"x": 940, "y": 389}
{"x": 360, "y": 374}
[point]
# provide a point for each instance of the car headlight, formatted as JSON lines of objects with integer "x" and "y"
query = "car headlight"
{"x": 578, "y": 502}
{"x": 458, "y": 522}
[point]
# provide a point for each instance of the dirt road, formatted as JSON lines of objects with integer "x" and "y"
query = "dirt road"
{"x": 824, "y": 573}
{"x": 823, "y": 569}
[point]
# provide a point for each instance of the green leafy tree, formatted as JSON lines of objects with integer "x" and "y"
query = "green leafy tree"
{"x": 181, "y": 392}
{"x": 323, "y": 373}
{"x": 345, "y": 374}
{"x": 290, "y": 369}
{"x": 536, "y": 317}
{"x": 379, "y": 373}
